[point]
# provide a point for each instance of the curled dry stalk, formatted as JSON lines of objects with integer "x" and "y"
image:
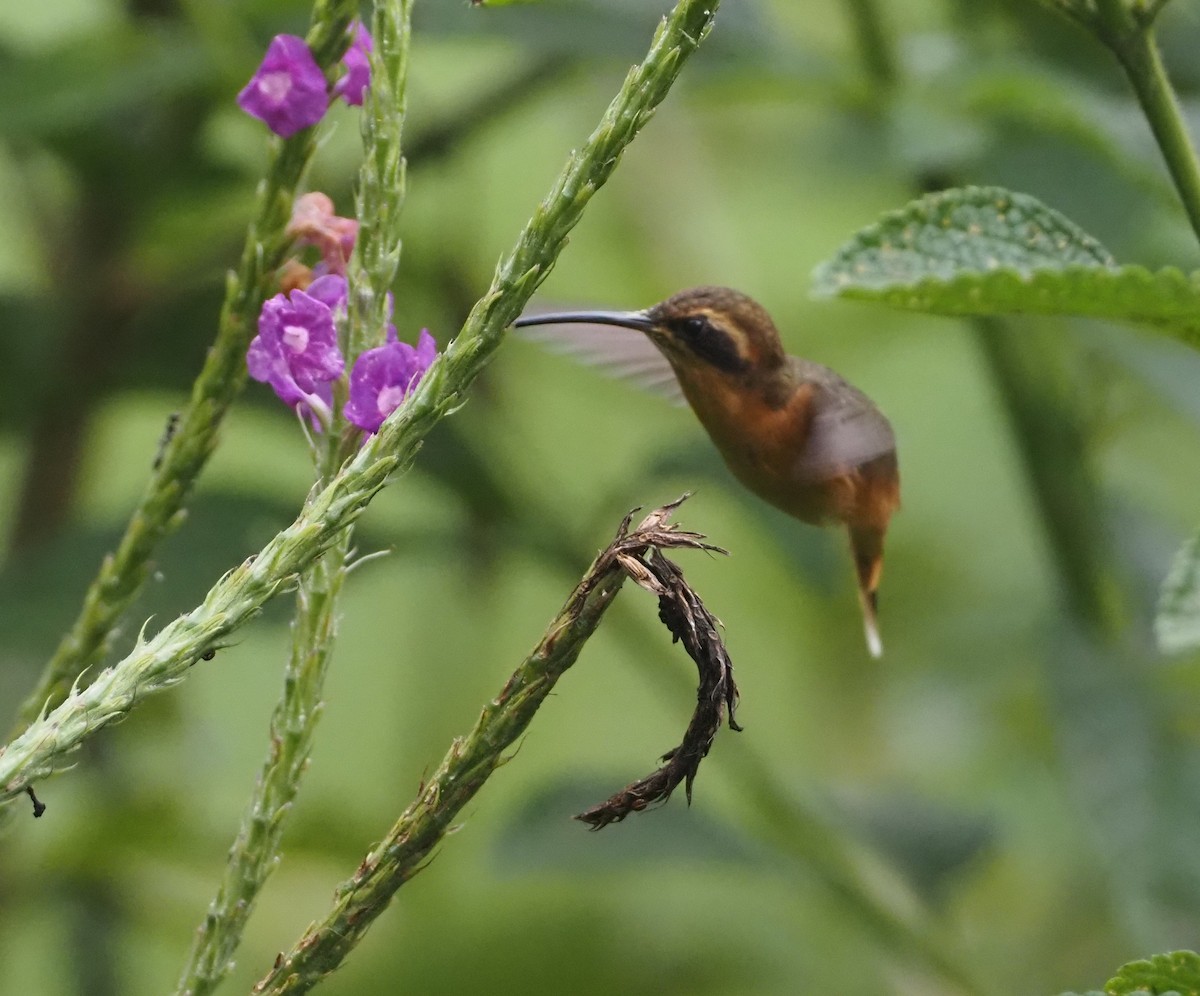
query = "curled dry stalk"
{"x": 684, "y": 614}
{"x": 472, "y": 759}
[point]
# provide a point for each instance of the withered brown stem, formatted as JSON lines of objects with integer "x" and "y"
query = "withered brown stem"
{"x": 684, "y": 614}
{"x": 472, "y": 759}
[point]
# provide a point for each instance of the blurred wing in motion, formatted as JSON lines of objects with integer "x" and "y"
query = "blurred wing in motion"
{"x": 847, "y": 429}
{"x": 624, "y": 354}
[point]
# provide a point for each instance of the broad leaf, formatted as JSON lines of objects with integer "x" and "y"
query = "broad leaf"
{"x": 1177, "y": 625}
{"x": 1161, "y": 975}
{"x": 988, "y": 251}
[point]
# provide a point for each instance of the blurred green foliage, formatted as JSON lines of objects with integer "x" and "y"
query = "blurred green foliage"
{"x": 1016, "y": 783}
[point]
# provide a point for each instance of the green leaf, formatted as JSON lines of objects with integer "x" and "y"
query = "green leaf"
{"x": 989, "y": 251}
{"x": 1161, "y": 975}
{"x": 1177, "y": 625}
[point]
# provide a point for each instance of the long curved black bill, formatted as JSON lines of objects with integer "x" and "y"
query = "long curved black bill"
{"x": 626, "y": 319}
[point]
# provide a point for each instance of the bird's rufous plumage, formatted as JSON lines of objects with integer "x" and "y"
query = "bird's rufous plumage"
{"x": 792, "y": 431}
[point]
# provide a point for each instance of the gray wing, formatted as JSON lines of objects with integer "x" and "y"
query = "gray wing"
{"x": 621, "y": 353}
{"x": 847, "y": 429}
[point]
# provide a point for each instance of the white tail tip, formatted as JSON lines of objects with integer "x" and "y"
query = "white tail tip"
{"x": 874, "y": 643}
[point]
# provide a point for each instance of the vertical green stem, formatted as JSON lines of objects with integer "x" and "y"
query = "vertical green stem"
{"x": 381, "y": 183}
{"x": 1053, "y": 447}
{"x": 255, "y": 852}
{"x": 873, "y": 44}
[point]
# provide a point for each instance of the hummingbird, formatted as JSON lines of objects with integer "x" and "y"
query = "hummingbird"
{"x": 793, "y": 432}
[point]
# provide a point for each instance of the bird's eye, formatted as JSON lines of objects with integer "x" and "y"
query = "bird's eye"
{"x": 711, "y": 342}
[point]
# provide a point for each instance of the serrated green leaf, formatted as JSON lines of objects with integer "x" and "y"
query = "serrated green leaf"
{"x": 1177, "y": 625}
{"x": 1162, "y": 975}
{"x": 989, "y": 251}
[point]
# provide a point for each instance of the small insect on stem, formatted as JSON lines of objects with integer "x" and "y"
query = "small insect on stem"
{"x": 39, "y": 807}
{"x": 165, "y": 439}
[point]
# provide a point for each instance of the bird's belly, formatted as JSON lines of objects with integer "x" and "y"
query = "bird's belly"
{"x": 770, "y": 476}
{"x": 861, "y": 494}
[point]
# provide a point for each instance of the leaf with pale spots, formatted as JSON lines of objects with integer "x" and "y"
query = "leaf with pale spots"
{"x": 989, "y": 251}
{"x": 1161, "y": 975}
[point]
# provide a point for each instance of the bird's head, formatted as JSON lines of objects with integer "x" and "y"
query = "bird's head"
{"x": 704, "y": 330}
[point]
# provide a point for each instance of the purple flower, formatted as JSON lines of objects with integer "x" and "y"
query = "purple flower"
{"x": 296, "y": 349}
{"x": 330, "y": 290}
{"x": 288, "y": 91}
{"x": 353, "y": 86}
{"x": 383, "y": 376}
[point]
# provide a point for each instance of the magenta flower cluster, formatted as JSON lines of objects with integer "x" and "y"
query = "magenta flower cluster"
{"x": 296, "y": 352}
{"x": 289, "y": 92}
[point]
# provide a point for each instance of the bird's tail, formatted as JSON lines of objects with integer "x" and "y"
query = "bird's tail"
{"x": 866, "y": 543}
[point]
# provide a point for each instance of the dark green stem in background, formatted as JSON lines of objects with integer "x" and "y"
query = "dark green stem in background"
{"x": 1053, "y": 448}
{"x": 1132, "y": 41}
{"x": 873, "y": 42}
{"x": 160, "y": 510}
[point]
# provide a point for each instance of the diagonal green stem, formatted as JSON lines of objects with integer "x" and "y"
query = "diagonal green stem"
{"x": 1131, "y": 39}
{"x": 468, "y": 764}
{"x": 160, "y": 510}
{"x": 157, "y": 664}
{"x": 255, "y": 852}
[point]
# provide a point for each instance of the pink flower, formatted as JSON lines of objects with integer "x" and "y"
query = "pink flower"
{"x": 383, "y": 376}
{"x": 314, "y": 223}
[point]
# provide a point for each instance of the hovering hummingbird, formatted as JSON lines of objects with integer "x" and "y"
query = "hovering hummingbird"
{"x": 792, "y": 431}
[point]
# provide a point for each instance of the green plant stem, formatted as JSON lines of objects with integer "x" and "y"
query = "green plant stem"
{"x": 874, "y": 47}
{"x": 163, "y": 661}
{"x": 1053, "y": 448}
{"x": 467, "y": 765}
{"x": 1132, "y": 42}
{"x": 222, "y": 377}
{"x": 381, "y": 182}
{"x": 255, "y": 852}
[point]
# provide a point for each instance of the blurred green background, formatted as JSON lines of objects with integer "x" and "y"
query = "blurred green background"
{"x": 1005, "y": 804}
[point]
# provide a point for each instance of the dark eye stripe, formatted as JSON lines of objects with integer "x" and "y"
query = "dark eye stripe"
{"x": 712, "y": 344}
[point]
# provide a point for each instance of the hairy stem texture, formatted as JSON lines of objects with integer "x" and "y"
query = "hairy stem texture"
{"x": 160, "y": 511}
{"x": 470, "y": 760}
{"x": 163, "y": 661}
